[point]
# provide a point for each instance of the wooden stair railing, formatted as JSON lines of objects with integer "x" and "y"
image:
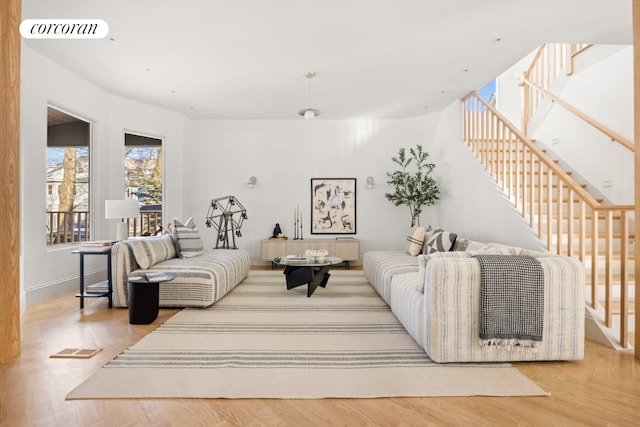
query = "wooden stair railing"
{"x": 529, "y": 85}
{"x": 566, "y": 217}
{"x": 550, "y": 61}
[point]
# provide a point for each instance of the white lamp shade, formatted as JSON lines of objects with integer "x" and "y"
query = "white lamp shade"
{"x": 121, "y": 209}
{"x": 309, "y": 114}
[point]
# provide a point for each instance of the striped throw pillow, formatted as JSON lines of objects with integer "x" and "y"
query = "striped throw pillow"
{"x": 415, "y": 240}
{"x": 151, "y": 250}
{"x": 187, "y": 237}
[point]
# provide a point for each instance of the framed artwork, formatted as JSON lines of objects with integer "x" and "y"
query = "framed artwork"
{"x": 333, "y": 206}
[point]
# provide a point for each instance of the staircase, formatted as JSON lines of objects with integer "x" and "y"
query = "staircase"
{"x": 565, "y": 216}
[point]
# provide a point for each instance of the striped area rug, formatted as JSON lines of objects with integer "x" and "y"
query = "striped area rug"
{"x": 262, "y": 341}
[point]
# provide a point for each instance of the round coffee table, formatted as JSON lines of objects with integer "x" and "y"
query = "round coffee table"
{"x": 299, "y": 271}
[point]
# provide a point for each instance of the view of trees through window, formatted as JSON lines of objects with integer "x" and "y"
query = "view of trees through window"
{"x": 143, "y": 180}
{"x": 68, "y": 178}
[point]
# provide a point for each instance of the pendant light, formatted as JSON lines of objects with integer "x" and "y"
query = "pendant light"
{"x": 309, "y": 113}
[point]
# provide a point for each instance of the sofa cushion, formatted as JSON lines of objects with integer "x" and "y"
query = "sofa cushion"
{"x": 380, "y": 267}
{"x": 415, "y": 240}
{"x": 408, "y": 305}
{"x": 187, "y": 237}
{"x": 151, "y": 250}
{"x": 424, "y": 259}
{"x": 440, "y": 241}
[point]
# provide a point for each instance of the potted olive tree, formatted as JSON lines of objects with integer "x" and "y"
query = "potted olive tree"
{"x": 413, "y": 186}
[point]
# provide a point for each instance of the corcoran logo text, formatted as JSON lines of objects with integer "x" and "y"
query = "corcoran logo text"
{"x": 64, "y": 29}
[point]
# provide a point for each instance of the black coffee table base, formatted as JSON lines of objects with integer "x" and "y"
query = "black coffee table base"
{"x": 309, "y": 275}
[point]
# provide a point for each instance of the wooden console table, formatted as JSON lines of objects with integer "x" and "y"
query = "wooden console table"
{"x": 347, "y": 249}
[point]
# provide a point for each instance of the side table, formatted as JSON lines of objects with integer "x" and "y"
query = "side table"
{"x": 83, "y": 291}
{"x": 144, "y": 300}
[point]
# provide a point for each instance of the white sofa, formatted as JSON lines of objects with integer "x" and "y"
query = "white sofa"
{"x": 437, "y": 299}
{"x": 199, "y": 280}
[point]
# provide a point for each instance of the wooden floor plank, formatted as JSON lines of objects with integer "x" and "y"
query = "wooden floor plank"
{"x": 604, "y": 389}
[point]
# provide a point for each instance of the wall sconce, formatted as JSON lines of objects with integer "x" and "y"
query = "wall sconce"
{"x": 370, "y": 182}
{"x": 252, "y": 182}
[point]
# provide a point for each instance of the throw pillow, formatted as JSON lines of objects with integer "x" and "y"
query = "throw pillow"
{"x": 415, "y": 240}
{"x": 440, "y": 241}
{"x": 475, "y": 246}
{"x": 187, "y": 237}
{"x": 534, "y": 254}
{"x": 499, "y": 249}
{"x": 423, "y": 260}
{"x": 152, "y": 250}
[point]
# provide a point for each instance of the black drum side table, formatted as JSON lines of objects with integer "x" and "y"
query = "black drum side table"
{"x": 144, "y": 300}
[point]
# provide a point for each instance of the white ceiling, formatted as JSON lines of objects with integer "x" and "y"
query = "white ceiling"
{"x": 373, "y": 58}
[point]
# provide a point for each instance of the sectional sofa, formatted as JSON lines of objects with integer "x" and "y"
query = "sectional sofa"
{"x": 436, "y": 297}
{"x": 201, "y": 277}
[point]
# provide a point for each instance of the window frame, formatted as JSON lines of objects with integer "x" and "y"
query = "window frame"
{"x": 89, "y": 218}
{"x": 141, "y": 226}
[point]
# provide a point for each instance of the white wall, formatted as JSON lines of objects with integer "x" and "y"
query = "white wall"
{"x": 471, "y": 204}
{"x": 43, "y": 81}
{"x": 604, "y": 92}
{"x": 134, "y": 117}
{"x": 601, "y": 87}
{"x": 509, "y": 93}
{"x": 49, "y": 271}
{"x": 221, "y": 155}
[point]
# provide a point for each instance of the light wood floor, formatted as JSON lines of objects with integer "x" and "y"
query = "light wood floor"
{"x": 604, "y": 389}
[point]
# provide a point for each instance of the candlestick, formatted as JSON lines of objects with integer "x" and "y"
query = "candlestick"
{"x": 301, "y": 238}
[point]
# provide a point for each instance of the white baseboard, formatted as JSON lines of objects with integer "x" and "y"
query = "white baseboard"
{"x": 61, "y": 287}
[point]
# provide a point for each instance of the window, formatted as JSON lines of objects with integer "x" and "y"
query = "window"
{"x": 143, "y": 171}
{"x": 68, "y": 178}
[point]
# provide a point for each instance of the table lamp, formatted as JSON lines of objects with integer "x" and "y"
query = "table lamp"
{"x": 122, "y": 209}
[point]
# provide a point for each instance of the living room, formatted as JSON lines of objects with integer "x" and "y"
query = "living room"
{"x": 212, "y": 157}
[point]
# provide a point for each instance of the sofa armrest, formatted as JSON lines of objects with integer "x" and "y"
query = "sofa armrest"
{"x": 123, "y": 262}
{"x": 452, "y": 312}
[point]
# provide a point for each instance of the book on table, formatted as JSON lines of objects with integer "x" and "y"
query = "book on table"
{"x": 98, "y": 288}
{"x": 295, "y": 258}
{"x": 157, "y": 276}
{"x": 95, "y": 246}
